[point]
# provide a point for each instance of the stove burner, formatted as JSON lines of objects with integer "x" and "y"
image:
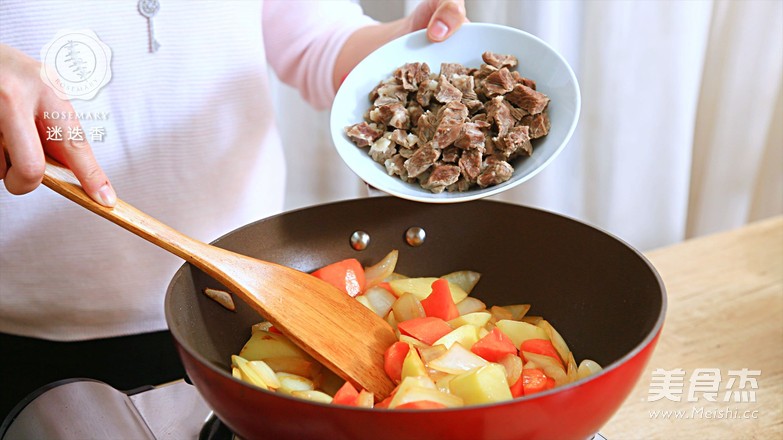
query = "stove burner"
{"x": 215, "y": 429}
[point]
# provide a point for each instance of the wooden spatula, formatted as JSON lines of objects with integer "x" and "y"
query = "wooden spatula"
{"x": 335, "y": 329}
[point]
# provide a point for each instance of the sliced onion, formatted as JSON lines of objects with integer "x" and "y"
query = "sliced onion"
{"x": 532, "y": 319}
{"x": 587, "y": 367}
{"x": 571, "y": 372}
{"x": 551, "y": 366}
{"x": 365, "y": 399}
{"x": 380, "y": 300}
{"x": 315, "y": 396}
{"x": 513, "y": 365}
{"x": 500, "y": 313}
{"x": 407, "y": 307}
{"x": 518, "y": 311}
{"x": 466, "y": 279}
{"x": 378, "y": 272}
{"x": 428, "y": 353}
{"x": 470, "y": 305}
{"x": 557, "y": 340}
{"x": 456, "y": 360}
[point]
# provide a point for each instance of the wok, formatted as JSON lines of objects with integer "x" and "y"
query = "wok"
{"x": 603, "y": 296}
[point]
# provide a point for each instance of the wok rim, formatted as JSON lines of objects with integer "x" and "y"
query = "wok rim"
{"x": 651, "y": 336}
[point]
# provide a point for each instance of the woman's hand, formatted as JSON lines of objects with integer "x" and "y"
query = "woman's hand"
{"x": 23, "y": 132}
{"x": 441, "y": 18}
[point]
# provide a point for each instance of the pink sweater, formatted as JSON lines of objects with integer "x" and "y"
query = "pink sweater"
{"x": 189, "y": 138}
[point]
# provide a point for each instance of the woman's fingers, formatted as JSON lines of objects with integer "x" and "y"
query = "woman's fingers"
{"x": 25, "y": 167}
{"x": 69, "y": 146}
{"x": 447, "y": 18}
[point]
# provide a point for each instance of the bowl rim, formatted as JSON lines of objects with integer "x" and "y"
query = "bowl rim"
{"x": 338, "y": 135}
{"x": 652, "y": 335}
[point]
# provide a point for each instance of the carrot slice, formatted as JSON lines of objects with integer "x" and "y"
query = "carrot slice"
{"x": 394, "y": 358}
{"x": 421, "y": 404}
{"x": 494, "y": 346}
{"x": 346, "y": 395}
{"x": 346, "y": 275}
{"x": 384, "y": 403}
{"x": 427, "y": 329}
{"x": 439, "y": 303}
{"x": 540, "y": 346}
{"x": 518, "y": 389}
{"x": 533, "y": 381}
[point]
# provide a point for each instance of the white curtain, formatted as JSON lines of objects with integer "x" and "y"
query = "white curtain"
{"x": 680, "y": 133}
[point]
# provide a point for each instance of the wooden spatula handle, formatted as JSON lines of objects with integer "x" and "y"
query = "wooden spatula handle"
{"x": 62, "y": 181}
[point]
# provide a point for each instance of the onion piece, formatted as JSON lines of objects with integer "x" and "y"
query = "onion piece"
{"x": 221, "y": 297}
{"x": 428, "y": 353}
{"x": 587, "y": 367}
{"x": 366, "y": 399}
{"x": 557, "y": 340}
{"x": 456, "y": 360}
{"x": 407, "y": 307}
{"x": 518, "y": 311}
{"x": 571, "y": 372}
{"x": 470, "y": 305}
{"x": 381, "y": 270}
{"x": 380, "y": 300}
{"x": 315, "y": 396}
{"x": 466, "y": 279}
{"x": 289, "y": 383}
{"x": 551, "y": 366}
{"x": 513, "y": 365}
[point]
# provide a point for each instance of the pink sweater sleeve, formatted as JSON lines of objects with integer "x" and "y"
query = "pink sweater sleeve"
{"x": 302, "y": 40}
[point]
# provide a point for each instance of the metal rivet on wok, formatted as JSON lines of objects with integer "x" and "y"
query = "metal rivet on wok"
{"x": 360, "y": 240}
{"x": 415, "y": 236}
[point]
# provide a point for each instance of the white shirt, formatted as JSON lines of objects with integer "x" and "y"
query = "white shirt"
{"x": 190, "y": 139}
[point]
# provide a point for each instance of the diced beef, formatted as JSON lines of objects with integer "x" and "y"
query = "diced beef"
{"x": 466, "y": 84}
{"x": 394, "y": 166}
{"x": 449, "y": 69}
{"x": 517, "y": 141}
{"x": 446, "y": 92}
{"x": 426, "y": 91}
{"x": 414, "y": 111}
{"x": 500, "y": 115}
{"x": 363, "y": 134}
{"x": 484, "y": 71}
{"x": 494, "y": 173}
{"x": 442, "y": 176}
{"x": 404, "y": 139}
{"x": 421, "y": 160}
{"x": 452, "y": 117}
{"x": 411, "y": 74}
{"x": 390, "y": 93}
{"x": 519, "y": 79}
{"x": 474, "y": 105}
{"x": 407, "y": 152}
{"x": 527, "y": 99}
{"x": 539, "y": 124}
{"x": 426, "y": 126}
{"x": 499, "y": 61}
{"x": 471, "y": 136}
{"x": 470, "y": 164}
{"x": 499, "y": 82}
{"x": 393, "y": 114}
{"x": 450, "y": 154}
{"x": 455, "y": 130}
{"x": 382, "y": 149}
{"x": 461, "y": 185}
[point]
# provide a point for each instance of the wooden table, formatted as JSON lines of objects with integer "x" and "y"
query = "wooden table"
{"x": 725, "y": 312}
